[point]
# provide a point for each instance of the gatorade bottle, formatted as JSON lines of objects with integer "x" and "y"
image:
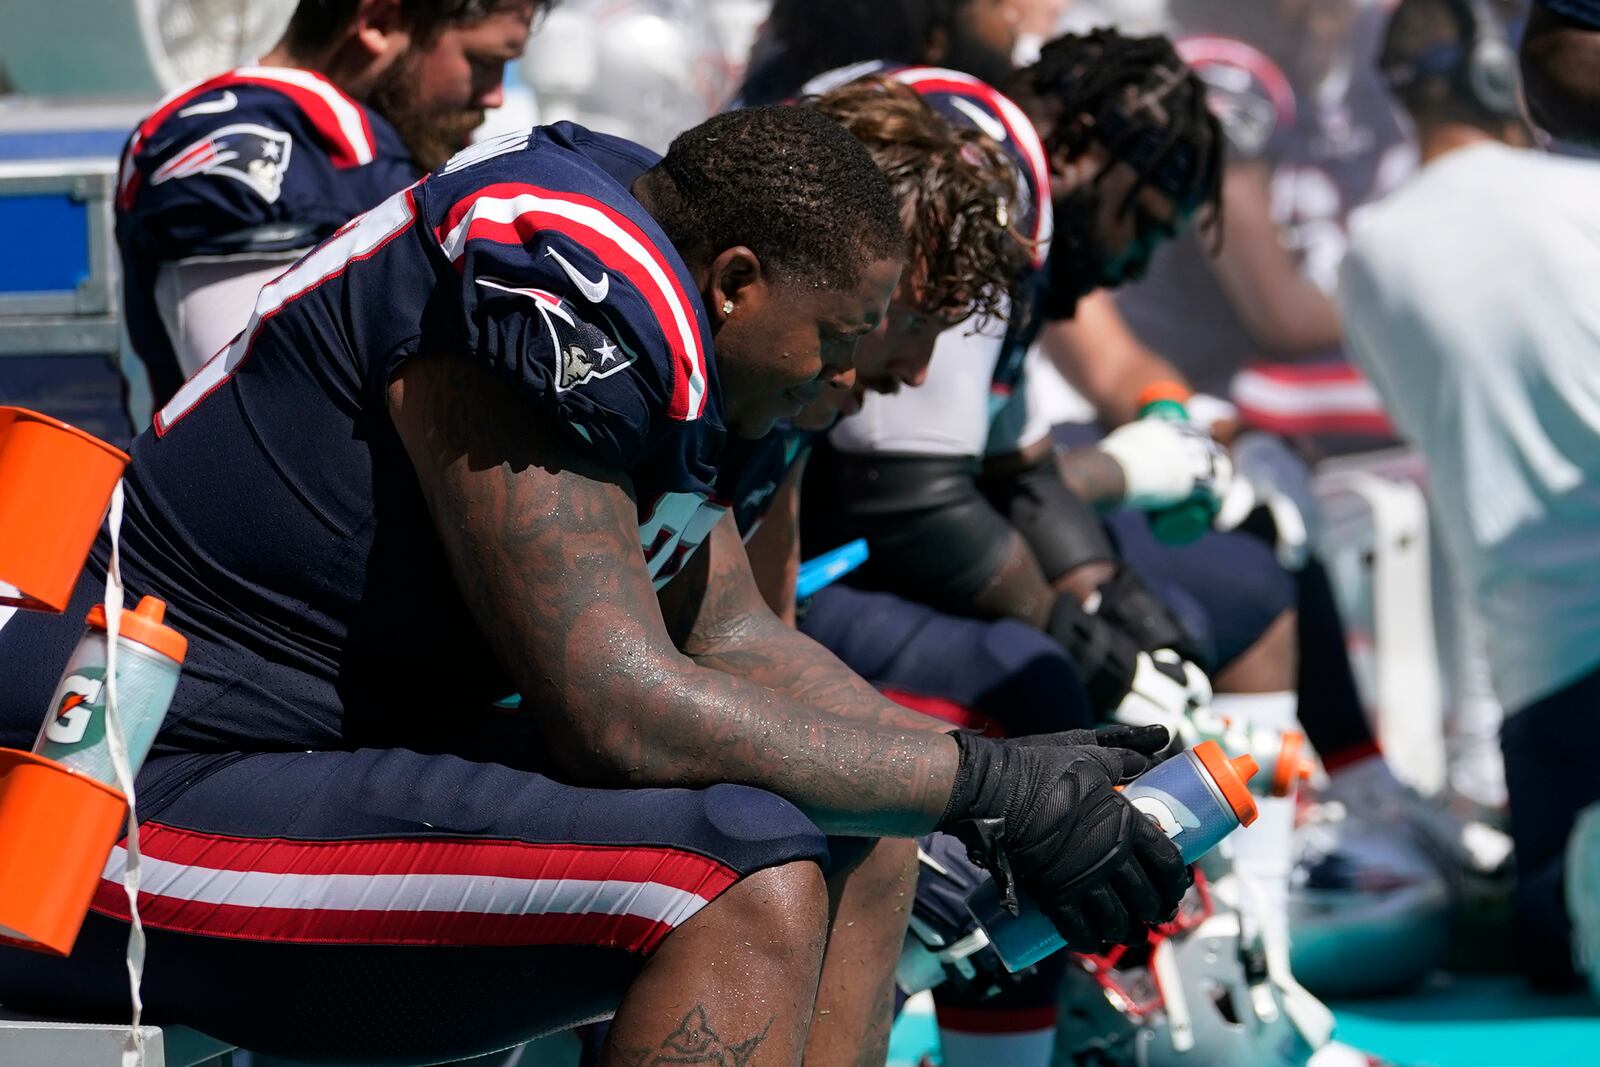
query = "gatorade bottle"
{"x": 149, "y": 658}
{"x": 1281, "y": 757}
{"x": 1182, "y": 523}
{"x": 61, "y": 810}
{"x": 1197, "y": 798}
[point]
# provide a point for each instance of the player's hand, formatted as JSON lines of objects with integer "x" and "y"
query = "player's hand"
{"x": 1046, "y": 816}
{"x": 1166, "y": 462}
{"x": 1166, "y": 690}
{"x": 1139, "y": 745}
{"x": 1270, "y": 514}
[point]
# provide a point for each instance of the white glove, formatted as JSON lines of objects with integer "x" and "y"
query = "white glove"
{"x": 1289, "y": 537}
{"x": 1166, "y": 462}
{"x": 1166, "y": 689}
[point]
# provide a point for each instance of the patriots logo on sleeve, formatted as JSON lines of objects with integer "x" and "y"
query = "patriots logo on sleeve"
{"x": 255, "y": 155}
{"x": 581, "y": 353}
{"x": 1248, "y": 93}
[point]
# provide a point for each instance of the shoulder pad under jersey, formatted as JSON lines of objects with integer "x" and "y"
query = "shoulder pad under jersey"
{"x": 569, "y": 286}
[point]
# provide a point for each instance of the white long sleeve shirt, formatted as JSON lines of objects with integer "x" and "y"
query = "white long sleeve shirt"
{"x": 1471, "y": 298}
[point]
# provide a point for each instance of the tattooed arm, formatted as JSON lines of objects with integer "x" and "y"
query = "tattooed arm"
{"x": 717, "y": 616}
{"x": 544, "y": 546}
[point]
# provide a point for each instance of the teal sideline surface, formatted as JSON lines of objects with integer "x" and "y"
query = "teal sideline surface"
{"x": 1464, "y": 1021}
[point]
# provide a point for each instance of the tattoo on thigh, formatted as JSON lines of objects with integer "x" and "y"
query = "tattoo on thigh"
{"x": 695, "y": 1044}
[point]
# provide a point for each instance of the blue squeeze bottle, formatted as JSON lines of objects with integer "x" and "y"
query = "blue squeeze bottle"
{"x": 1197, "y": 798}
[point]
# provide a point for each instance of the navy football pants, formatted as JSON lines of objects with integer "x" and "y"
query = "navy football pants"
{"x": 1552, "y": 757}
{"x": 383, "y": 905}
{"x": 1004, "y": 677}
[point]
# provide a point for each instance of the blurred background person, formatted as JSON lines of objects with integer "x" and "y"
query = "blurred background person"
{"x": 1494, "y": 373}
{"x": 640, "y": 69}
{"x": 230, "y": 180}
{"x": 1561, "y": 68}
{"x": 805, "y": 38}
{"x": 1312, "y": 137}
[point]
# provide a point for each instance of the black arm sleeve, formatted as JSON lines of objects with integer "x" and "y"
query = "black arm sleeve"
{"x": 1061, "y": 528}
{"x": 933, "y": 536}
{"x": 937, "y": 539}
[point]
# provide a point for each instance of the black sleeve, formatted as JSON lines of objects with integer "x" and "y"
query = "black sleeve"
{"x": 1065, "y": 533}
{"x": 1063, "y": 530}
{"x": 933, "y": 536}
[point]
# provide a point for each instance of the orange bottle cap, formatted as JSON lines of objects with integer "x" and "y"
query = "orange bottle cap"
{"x": 1232, "y": 778}
{"x": 143, "y": 624}
{"x": 56, "y": 830}
{"x": 55, "y": 484}
{"x": 1293, "y": 767}
{"x": 1164, "y": 390}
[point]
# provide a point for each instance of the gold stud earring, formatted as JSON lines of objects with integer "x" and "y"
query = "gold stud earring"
{"x": 727, "y": 307}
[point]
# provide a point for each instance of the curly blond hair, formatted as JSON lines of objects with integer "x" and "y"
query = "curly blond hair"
{"x": 957, "y": 195}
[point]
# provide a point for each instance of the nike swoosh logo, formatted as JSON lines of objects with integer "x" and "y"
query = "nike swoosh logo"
{"x": 980, "y": 118}
{"x": 594, "y": 292}
{"x": 227, "y": 102}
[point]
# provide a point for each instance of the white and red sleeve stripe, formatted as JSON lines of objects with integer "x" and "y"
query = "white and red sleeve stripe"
{"x": 1309, "y": 399}
{"x": 1205, "y": 50}
{"x": 361, "y": 238}
{"x": 412, "y": 891}
{"x": 516, "y": 213}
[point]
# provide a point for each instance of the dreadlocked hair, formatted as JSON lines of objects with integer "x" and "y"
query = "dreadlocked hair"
{"x": 1136, "y": 97}
{"x": 788, "y": 183}
{"x": 955, "y": 189}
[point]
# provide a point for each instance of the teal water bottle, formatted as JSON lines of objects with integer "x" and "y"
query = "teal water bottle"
{"x": 1182, "y": 523}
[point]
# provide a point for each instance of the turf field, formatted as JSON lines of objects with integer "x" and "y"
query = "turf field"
{"x": 1457, "y": 1021}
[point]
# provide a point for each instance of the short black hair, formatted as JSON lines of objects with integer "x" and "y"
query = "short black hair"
{"x": 790, "y": 184}
{"x": 1423, "y": 34}
{"x": 810, "y": 37}
{"x": 1136, "y": 97}
{"x": 316, "y": 22}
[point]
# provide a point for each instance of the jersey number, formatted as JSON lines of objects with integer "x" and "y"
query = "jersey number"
{"x": 357, "y": 240}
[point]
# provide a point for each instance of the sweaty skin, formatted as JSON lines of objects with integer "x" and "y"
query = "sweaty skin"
{"x": 544, "y": 546}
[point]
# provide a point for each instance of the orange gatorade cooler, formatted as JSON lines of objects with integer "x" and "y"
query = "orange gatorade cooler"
{"x": 60, "y": 810}
{"x": 55, "y": 484}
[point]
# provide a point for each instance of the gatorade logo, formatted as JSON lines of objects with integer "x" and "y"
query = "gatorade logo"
{"x": 1172, "y": 815}
{"x": 1160, "y": 813}
{"x": 76, "y": 703}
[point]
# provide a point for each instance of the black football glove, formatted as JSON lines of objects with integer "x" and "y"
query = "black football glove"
{"x": 1043, "y": 812}
{"x": 1141, "y": 747}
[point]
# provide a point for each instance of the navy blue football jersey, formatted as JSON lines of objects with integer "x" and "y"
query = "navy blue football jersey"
{"x": 256, "y": 160}
{"x": 273, "y": 504}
